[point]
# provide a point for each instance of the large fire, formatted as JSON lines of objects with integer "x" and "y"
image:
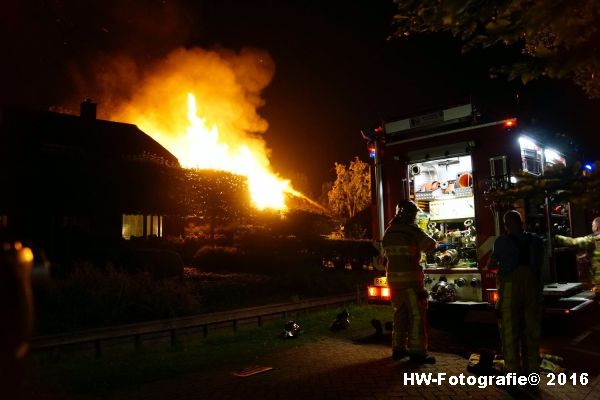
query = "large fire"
{"x": 202, "y": 149}
{"x": 222, "y": 129}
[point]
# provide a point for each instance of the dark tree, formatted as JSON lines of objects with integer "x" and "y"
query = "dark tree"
{"x": 556, "y": 38}
{"x": 561, "y": 184}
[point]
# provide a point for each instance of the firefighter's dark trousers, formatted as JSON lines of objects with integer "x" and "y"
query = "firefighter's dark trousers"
{"x": 410, "y": 319}
{"x": 520, "y": 309}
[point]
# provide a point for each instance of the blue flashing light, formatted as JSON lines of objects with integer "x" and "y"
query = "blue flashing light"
{"x": 372, "y": 154}
{"x": 589, "y": 167}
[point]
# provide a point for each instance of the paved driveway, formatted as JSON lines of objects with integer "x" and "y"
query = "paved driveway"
{"x": 340, "y": 369}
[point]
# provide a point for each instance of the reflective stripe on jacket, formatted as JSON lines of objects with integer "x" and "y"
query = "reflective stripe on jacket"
{"x": 402, "y": 244}
{"x": 591, "y": 244}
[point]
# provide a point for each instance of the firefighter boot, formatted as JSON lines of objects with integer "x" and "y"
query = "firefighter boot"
{"x": 399, "y": 354}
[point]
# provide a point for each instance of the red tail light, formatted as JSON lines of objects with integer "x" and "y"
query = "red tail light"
{"x": 373, "y": 292}
{"x": 386, "y": 294}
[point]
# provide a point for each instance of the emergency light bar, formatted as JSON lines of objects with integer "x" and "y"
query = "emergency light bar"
{"x": 449, "y": 115}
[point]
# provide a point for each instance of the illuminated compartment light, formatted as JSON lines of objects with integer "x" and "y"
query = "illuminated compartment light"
{"x": 385, "y": 292}
{"x": 373, "y": 291}
{"x": 553, "y": 157}
{"x": 527, "y": 143}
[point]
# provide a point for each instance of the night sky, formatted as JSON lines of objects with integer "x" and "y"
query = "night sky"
{"x": 335, "y": 71}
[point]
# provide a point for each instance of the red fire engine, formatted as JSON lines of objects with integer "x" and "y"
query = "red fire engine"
{"x": 447, "y": 162}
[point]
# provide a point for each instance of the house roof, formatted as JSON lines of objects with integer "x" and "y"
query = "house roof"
{"x": 66, "y": 164}
{"x": 51, "y": 132}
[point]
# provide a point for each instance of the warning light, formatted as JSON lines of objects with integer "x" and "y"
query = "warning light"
{"x": 588, "y": 167}
{"x": 510, "y": 123}
{"x": 385, "y": 292}
{"x": 492, "y": 296}
{"x": 372, "y": 150}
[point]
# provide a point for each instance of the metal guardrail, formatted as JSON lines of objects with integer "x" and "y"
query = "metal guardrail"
{"x": 97, "y": 336}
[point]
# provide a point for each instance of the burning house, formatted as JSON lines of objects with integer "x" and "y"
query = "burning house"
{"x": 64, "y": 177}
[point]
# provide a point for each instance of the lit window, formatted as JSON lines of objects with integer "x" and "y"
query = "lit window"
{"x": 133, "y": 226}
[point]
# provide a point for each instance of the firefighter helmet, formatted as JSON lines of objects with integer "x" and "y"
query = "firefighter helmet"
{"x": 291, "y": 330}
{"x": 407, "y": 211}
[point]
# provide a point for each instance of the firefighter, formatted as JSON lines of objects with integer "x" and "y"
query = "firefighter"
{"x": 519, "y": 256}
{"x": 402, "y": 244}
{"x": 589, "y": 262}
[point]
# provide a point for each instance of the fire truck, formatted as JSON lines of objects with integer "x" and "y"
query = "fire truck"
{"x": 448, "y": 162}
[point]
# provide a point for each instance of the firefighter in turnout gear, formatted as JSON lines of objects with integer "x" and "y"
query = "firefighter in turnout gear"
{"x": 402, "y": 244}
{"x": 519, "y": 255}
{"x": 589, "y": 262}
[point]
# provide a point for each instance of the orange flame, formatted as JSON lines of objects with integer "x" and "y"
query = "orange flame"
{"x": 226, "y": 134}
{"x": 203, "y": 149}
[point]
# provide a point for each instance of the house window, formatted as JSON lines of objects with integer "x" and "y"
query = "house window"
{"x": 141, "y": 226}
{"x": 154, "y": 225}
{"x": 133, "y": 226}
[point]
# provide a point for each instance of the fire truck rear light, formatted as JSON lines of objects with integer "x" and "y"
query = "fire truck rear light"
{"x": 385, "y": 293}
{"x": 492, "y": 296}
{"x": 510, "y": 123}
{"x": 373, "y": 291}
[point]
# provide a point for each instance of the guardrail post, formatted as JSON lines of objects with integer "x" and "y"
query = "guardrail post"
{"x": 98, "y": 348}
{"x": 173, "y": 338}
{"x": 138, "y": 342}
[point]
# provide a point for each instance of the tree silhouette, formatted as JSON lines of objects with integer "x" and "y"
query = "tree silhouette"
{"x": 351, "y": 191}
{"x": 560, "y": 183}
{"x": 557, "y": 38}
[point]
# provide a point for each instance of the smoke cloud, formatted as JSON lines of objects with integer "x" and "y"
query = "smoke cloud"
{"x": 227, "y": 86}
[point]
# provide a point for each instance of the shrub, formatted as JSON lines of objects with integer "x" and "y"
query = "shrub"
{"x": 158, "y": 263}
{"x": 218, "y": 258}
{"x": 91, "y": 297}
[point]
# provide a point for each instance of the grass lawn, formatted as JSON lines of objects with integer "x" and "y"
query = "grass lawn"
{"x": 121, "y": 367}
